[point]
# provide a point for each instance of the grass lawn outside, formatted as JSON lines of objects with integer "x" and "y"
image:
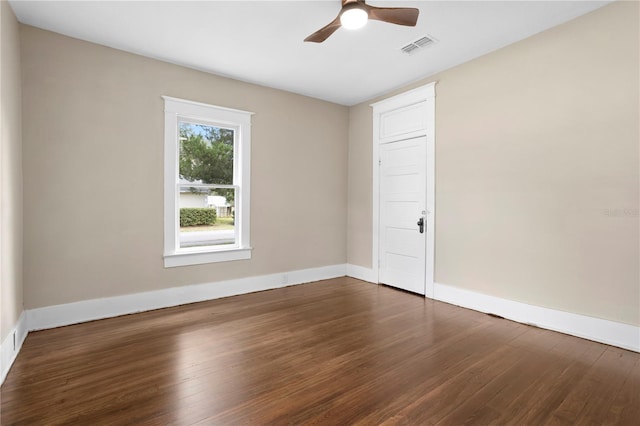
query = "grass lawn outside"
{"x": 222, "y": 224}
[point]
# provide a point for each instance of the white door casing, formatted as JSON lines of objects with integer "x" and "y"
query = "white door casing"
{"x": 408, "y": 117}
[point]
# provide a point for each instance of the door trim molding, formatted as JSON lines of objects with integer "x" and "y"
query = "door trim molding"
{"x": 425, "y": 94}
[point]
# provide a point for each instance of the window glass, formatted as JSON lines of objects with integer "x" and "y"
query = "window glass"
{"x": 207, "y": 208}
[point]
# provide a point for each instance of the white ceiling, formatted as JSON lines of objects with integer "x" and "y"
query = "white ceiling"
{"x": 261, "y": 41}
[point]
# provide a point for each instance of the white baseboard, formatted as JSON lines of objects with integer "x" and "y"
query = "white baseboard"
{"x": 604, "y": 331}
{"x": 609, "y": 332}
{"x": 362, "y": 273}
{"x": 11, "y": 346}
{"x": 89, "y": 310}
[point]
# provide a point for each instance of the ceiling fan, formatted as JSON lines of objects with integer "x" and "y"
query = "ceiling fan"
{"x": 355, "y": 13}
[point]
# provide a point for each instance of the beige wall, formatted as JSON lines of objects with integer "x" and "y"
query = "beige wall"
{"x": 537, "y": 182}
{"x": 360, "y": 160}
{"x": 95, "y": 124}
{"x": 11, "y": 305}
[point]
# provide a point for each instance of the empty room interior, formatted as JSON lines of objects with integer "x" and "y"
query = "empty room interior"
{"x": 235, "y": 212}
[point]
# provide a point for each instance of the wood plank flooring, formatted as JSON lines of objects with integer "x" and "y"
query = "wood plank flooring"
{"x": 333, "y": 352}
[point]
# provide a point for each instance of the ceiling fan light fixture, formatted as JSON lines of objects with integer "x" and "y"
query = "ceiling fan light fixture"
{"x": 354, "y": 18}
{"x": 355, "y": 14}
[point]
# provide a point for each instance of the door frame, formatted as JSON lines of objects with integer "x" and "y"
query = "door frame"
{"x": 424, "y": 94}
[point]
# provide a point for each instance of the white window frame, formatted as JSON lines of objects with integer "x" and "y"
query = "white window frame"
{"x": 176, "y": 110}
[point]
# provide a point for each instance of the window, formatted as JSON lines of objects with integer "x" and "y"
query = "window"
{"x": 206, "y": 183}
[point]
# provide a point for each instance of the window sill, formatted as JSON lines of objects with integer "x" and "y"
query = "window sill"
{"x": 186, "y": 258}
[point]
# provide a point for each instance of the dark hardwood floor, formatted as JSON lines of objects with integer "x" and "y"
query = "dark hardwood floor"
{"x": 334, "y": 352}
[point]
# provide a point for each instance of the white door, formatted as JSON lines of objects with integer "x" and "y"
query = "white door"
{"x": 402, "y": 205}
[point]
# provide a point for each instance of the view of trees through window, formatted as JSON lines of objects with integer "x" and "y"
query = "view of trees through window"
{"x": 207, "y": 192}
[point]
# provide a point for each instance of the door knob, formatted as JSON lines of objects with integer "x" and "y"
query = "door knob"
{"x": 421, "y": 225}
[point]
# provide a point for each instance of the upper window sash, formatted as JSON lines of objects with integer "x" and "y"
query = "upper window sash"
{"x": 237, "y": 134}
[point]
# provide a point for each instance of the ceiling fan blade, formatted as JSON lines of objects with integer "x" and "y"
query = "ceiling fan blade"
{"x": 323, "y": 33}
{"x": 407, "y": 16}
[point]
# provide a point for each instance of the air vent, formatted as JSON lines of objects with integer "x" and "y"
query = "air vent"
{"x": 418, "y": 44}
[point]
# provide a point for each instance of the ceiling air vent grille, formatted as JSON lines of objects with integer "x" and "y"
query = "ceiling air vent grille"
{"x": 418, "y": 44}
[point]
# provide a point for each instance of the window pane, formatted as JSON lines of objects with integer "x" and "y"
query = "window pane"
{"x": 206, "y": 154}
{"x": 207, "y": 216}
